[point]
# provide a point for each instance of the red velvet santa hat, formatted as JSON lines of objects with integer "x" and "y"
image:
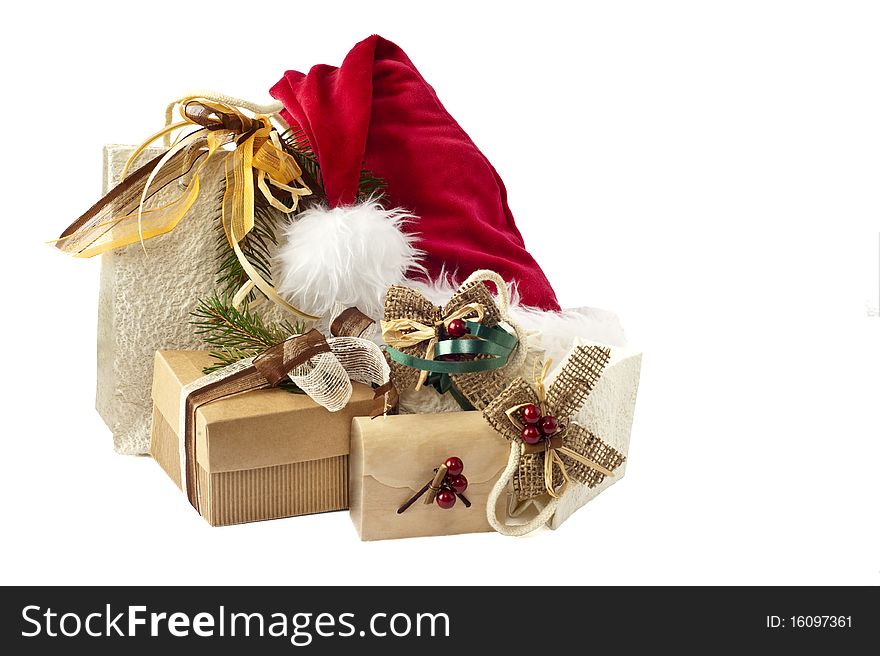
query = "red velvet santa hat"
{"x": 377, "y": 111}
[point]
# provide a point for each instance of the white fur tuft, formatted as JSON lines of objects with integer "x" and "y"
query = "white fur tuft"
{"x": 438, "y": 291}
{"x": 556, "y": 330}
{"x": 346, "y": 255}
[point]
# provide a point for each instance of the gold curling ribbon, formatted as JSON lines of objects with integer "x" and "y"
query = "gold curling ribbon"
{"x": 404, "y": 333}
{"x": 257, "y": 154}
{"x": 551, "y": 459}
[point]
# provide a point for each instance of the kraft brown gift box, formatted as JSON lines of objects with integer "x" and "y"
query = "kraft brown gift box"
{"x": 261, "y": 455}
{"x": 392, "y": 457}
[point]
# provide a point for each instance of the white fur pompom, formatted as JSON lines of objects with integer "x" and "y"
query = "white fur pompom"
{"x": 556, "y": 331}
{"x": 347, "y": 255}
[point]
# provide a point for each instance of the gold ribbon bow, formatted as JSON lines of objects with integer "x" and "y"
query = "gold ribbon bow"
{"x": 256, "y": 159}
{"x": 573, "y": 452}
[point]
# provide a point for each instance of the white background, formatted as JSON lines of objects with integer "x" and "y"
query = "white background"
{"x": 707, "y": 170}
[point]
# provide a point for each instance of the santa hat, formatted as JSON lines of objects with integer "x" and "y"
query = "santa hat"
{"x": 377, "y": 112}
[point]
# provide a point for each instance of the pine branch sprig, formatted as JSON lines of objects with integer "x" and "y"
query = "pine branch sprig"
{"x": 296, "y": 143}
{"x": 238, "y": 334}
{"x": 234, "y": 333}
{"x": 370, "y": 186}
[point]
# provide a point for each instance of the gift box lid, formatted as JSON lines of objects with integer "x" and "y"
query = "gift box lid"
{"x": 255, "y": 429}
{"x": 393, "y": 456}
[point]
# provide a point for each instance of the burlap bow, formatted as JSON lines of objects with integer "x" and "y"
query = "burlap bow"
{"x": 572, "y": 452}
{"x": 420, "y": 349}
{"x": 256, "y": 160}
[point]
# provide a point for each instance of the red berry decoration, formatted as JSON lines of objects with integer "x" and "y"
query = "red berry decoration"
{"x": 531, "y": 435}
{"x": 446, "y": 499}
{"x": 548, "y": 425}
{"x": 530, "y": 414}
{"x": 454, "y": 466}
{"x": 457, "y": 483}
{"x": 457, "y": 329}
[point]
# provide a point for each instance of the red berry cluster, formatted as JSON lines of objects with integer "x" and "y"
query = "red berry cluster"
{"x": 457, "y": 329}
{"x": 537, "y": 427}
{"x": 455, "y": 483}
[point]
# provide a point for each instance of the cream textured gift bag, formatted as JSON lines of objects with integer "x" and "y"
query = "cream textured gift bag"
{"x": 593, "y": 392}
{"x": 157, "y": 232}
{"x": 146, "y": 297}
{"x": 608, "y": 412}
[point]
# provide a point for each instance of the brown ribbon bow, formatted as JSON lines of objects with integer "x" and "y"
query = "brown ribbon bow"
{"x": 573, "y": 452}
{"x": 268, "y": 369}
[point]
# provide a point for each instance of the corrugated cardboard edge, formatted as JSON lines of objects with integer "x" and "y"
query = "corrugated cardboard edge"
{"x": 251, "y": 495}
{"x": 164, "y": 447}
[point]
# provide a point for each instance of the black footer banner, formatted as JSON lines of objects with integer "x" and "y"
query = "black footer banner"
{"x": 422, "y": 620}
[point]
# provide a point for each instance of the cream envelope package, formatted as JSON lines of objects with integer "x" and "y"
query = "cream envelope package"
{"x": 393, "y": 457}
